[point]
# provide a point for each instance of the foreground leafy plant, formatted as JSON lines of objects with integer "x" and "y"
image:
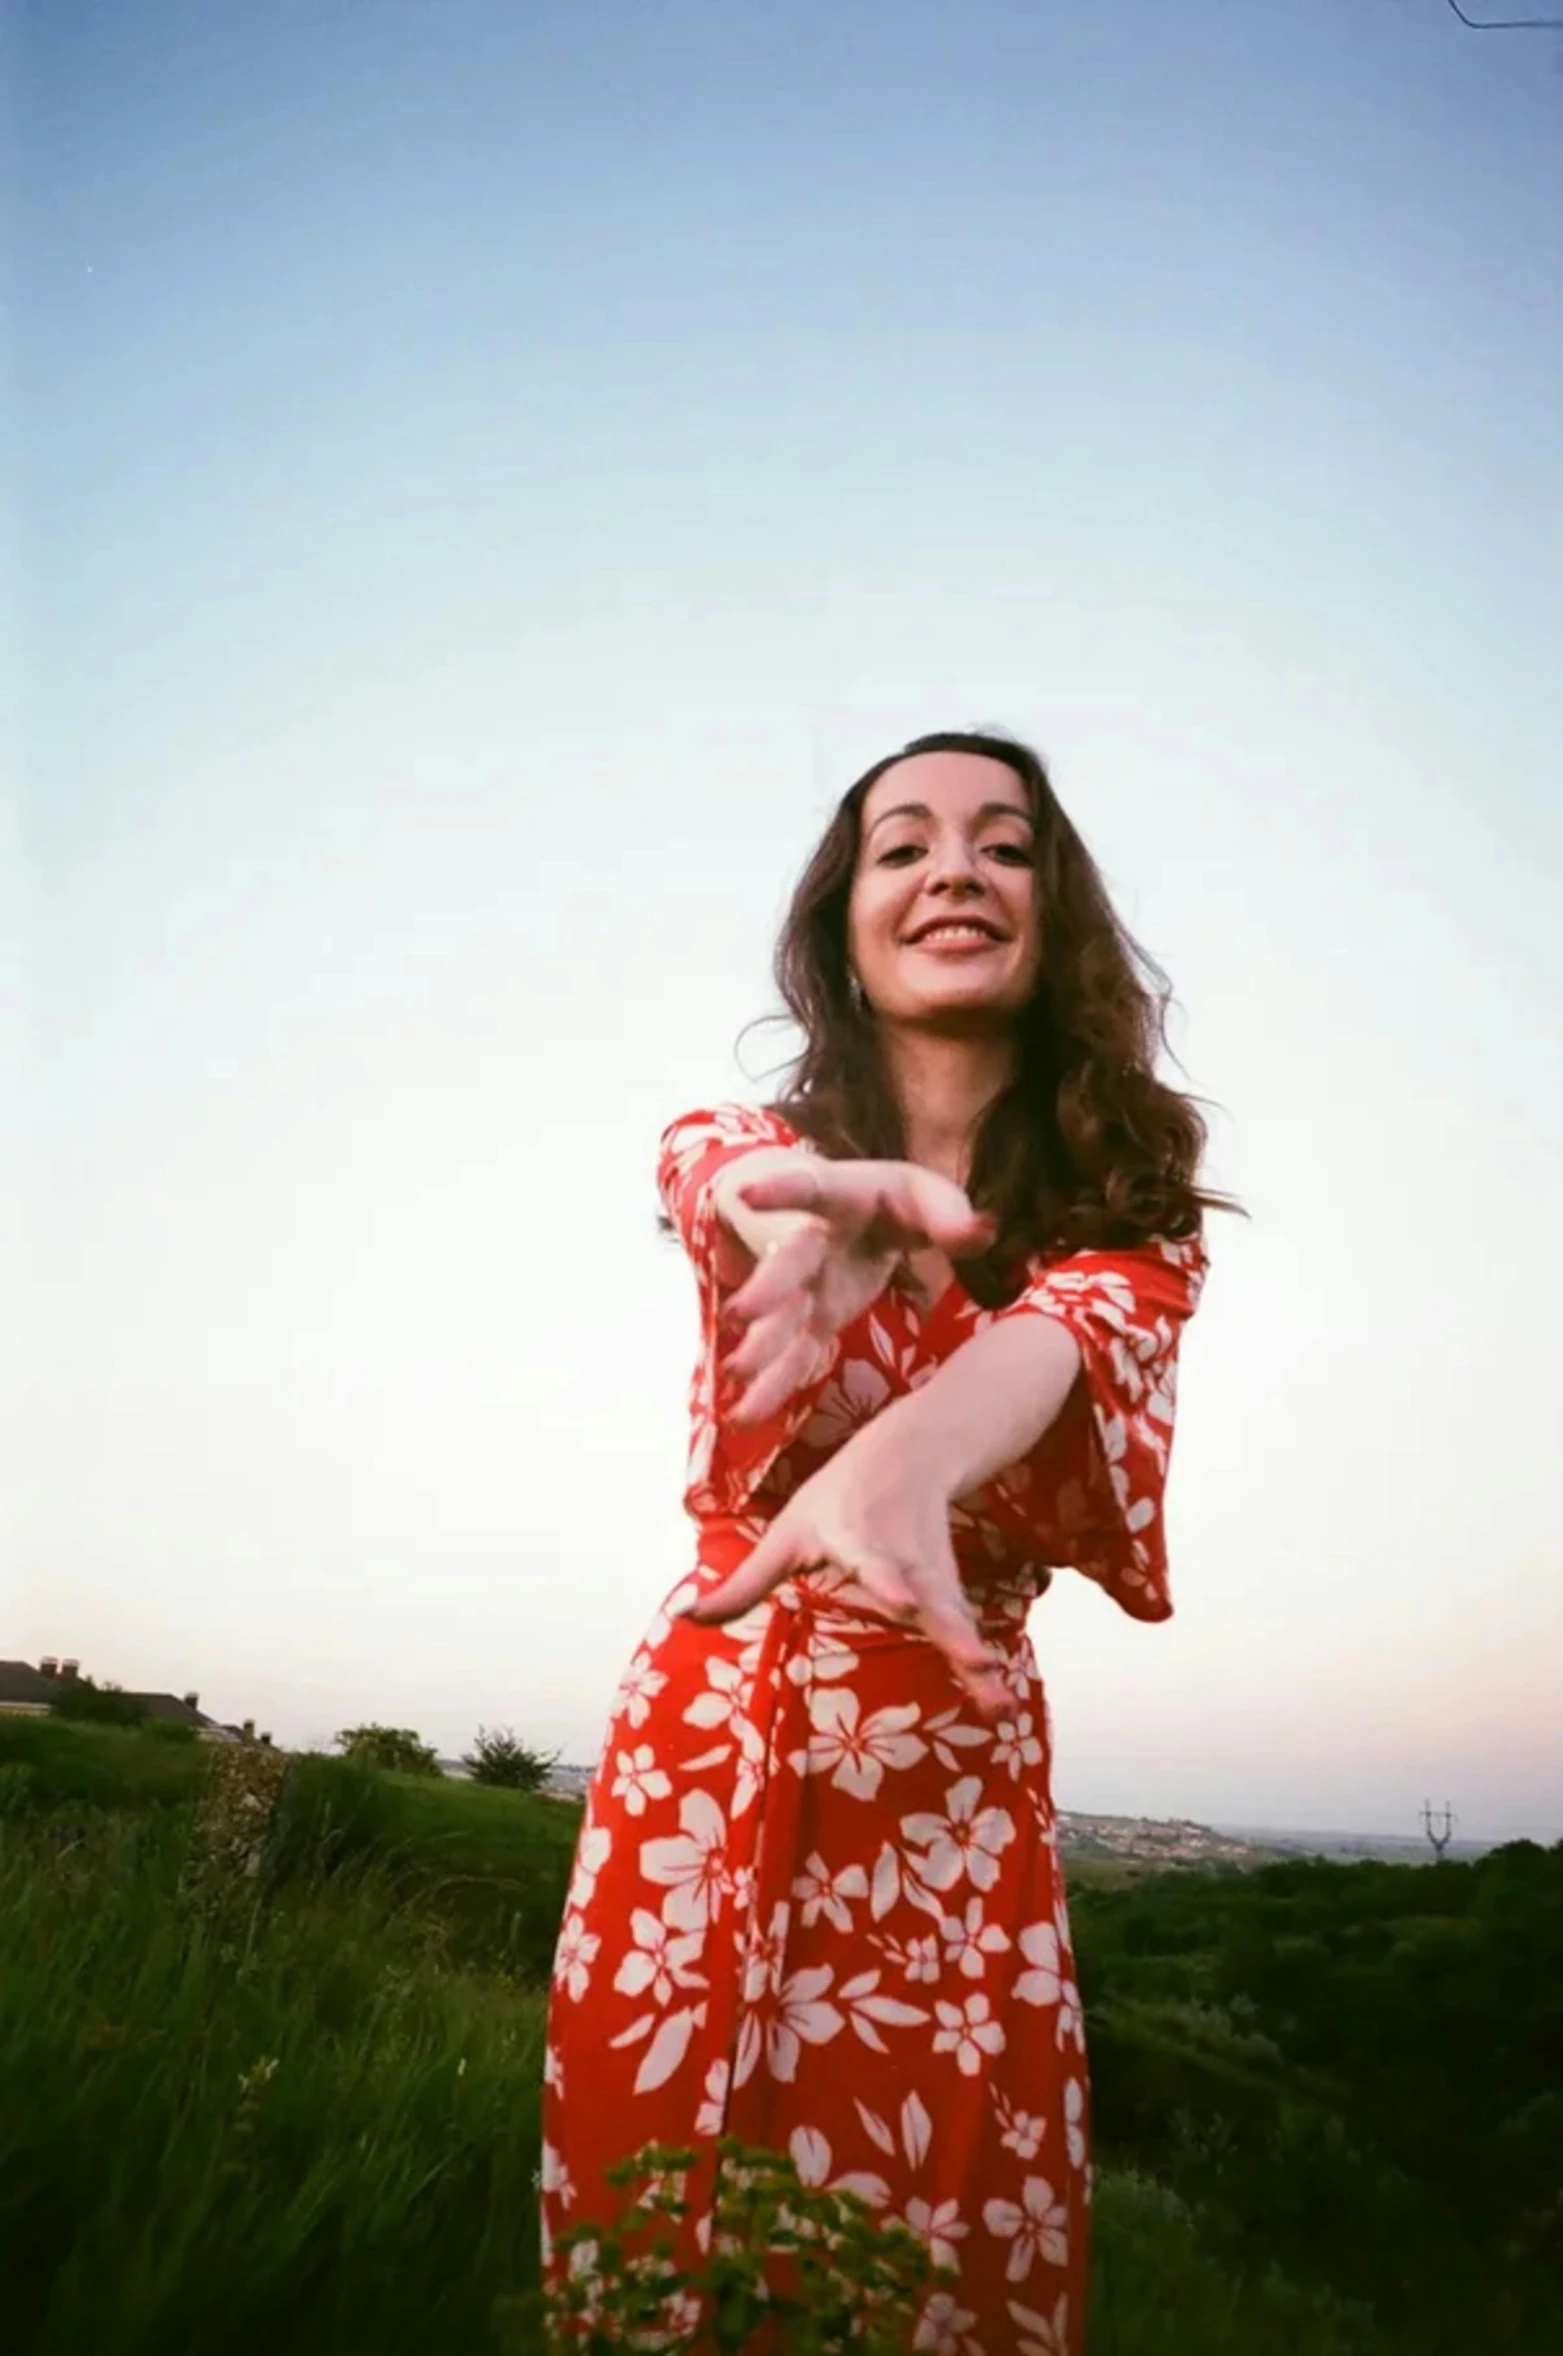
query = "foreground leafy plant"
{"x": 814, "y": 2270}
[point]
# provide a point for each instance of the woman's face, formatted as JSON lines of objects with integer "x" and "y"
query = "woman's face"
{"x": 942, "y": 921}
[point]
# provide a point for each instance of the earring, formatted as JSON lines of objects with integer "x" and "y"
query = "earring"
{"x": 855, "y": 995}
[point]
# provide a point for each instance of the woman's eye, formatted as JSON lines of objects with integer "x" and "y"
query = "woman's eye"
{"x": 1012, "y": 854}
{"x": 899, "y": 854}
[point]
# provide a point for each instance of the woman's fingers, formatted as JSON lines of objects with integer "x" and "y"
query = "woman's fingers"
{"x": 946, "y": 1617}
{"x": 920, "y": 1205}
{"x": 775, "y": 1558}
{"x": 768, "y": 1336}
{"x": 954, "y": 1630}
{"x": 776, "y": 1383}
{"x": 884, "y": 1580}
{"x": 805, "y": 1186}
{"x": 776, "y": 1277}
{"x": 937, "y": 1211}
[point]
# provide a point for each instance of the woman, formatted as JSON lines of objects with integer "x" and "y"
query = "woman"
{"x": 817, "y": 1903}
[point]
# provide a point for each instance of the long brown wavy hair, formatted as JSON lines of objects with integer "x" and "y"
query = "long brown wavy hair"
{"x": 1086, "y": 1146}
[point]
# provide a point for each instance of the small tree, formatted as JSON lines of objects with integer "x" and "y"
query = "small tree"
{"x": 396, "y": 1749}
{"x": 502, "y": 1758}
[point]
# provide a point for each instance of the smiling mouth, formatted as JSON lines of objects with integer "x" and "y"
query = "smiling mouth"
{"x": 963, "y": 932}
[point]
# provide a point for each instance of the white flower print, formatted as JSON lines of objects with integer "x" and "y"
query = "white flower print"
{"x": 640, "y": 1687}
{"x": 590, "y": 1857}
{"x": 944, "y": 2328}
{"x": 574, "y": 1957}
{"x": 1038, "y": 2228}
{"x": 1074, "y": 2121}
{"x": 893, "y": 1880}
{"x": 555, "y": 2177}
{"x": 711, "y": 2117}
{"x": 681, "y": 1596}
{"x": 866, "y": 2006}
{"x": 1071, "y": 2018}
{"x": 822, "y": 1893}
{"x": 689, "y": 1864}
{"x": 811, "y": 2156}
{"x": 738, "y": 1884}
{"x": 847, "y": 1402}
{"x": 661, "y": 1959}
{"x": 939, "y": 2225}
{"x": 968, "y": 1940}
{"x": 765, "y": 1954}
{"x": 1042, "y": 2335}
{"x": 1043, "y": 1983}
{"x": 1017, "y": 1746}
{"x": 968, "y": 1841}
{"x": 916, "y": 2129}
{"x": 639, "y": 1779}
{"x": 855, "y": 1757}
{"x": 723, "y": 1703}
{"x": 917, "y": 1959}
{"x": 1023, "y": 2132}
{"x": 751, "y": 1760}
{"x": 799, "y": 2014}
{"x": 553, "y": 2070}
{"x": 823, "y": 1657}
{"x": 668, "y": 2046}
{"x": 969, "y": 2031}
{"x": 950, "y": 1735}
{"x": 1071, "y": 2013}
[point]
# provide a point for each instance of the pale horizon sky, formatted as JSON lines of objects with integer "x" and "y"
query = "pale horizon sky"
{"x": 487, "y": 478}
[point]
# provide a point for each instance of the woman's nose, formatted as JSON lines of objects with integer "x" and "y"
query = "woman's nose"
{"x": 954, "y": 868}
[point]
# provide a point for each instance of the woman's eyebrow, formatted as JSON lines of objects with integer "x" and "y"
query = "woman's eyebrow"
{"x": 921, "y": 810}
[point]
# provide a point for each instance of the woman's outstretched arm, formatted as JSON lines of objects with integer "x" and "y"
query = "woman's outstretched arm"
{"x": 880, "y": 1509}
{"x": 989, "y": 1404}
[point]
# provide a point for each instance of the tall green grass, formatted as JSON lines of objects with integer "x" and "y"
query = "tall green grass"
{"x": 281, "y": 2125}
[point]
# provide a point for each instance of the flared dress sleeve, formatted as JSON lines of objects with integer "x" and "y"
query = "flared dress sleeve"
{"x": 1091, "y": 1493}
{"x": 727, "y": 1462}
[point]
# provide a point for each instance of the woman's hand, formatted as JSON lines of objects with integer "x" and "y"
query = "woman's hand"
{"x": 879, "y": 1514}
{"x": 862, "y": 1218}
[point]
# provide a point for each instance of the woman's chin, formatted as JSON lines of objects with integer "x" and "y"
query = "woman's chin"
{"x": 973, "y": 1011}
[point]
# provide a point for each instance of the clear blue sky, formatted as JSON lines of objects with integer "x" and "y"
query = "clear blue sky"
{"x": 488, "y": 475}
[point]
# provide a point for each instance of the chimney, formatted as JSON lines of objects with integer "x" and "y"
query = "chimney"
{"x": 70, "y": 1671}
{"x": 266, "y": 1741}
{"x": 248, "y": 1730}
{"x": 192, "y": 1701}
{"x": 48, "y": 1666}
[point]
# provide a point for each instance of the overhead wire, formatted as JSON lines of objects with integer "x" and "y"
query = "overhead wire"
{"x": 1507, "y": 24}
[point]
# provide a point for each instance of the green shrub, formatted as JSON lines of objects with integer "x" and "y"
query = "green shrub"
{"x": 813, "y": 2268}
{"x": 502, "y": 1758}
{"x": 395, "y": 1748}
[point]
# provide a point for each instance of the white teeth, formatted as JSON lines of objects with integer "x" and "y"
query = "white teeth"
{"x": 955, "y": 932}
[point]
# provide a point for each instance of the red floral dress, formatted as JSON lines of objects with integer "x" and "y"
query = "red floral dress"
{"x": 816, "y": 1903}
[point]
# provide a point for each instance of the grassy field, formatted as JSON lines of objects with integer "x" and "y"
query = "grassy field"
{"x": 301, "y": 2113}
